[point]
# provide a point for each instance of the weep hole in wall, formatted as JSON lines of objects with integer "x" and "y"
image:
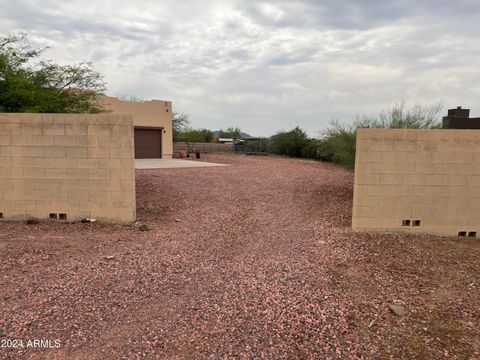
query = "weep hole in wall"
{"x": 57, "y": 216}
{"x": 410, "y": 222}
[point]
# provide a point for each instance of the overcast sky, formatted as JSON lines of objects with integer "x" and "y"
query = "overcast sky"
{"x": 266, "y": 66}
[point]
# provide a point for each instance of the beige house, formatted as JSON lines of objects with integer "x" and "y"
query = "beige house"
{"x": 152, "y": 120}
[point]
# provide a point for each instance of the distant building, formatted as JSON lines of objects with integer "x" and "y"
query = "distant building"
{"x": 460, "y": 119}
{"x": 243, "y": 136}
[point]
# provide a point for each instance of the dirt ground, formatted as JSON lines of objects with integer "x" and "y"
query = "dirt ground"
{"x": 253, "y": 260}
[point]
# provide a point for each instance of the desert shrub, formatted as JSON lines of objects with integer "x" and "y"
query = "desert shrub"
{"x": 289, "y": 142}
{"x": 401, "y": 117}
{"x": 338, "y": 141}
{"x": 311, "y": 149}
{"x": 338, "y": 144}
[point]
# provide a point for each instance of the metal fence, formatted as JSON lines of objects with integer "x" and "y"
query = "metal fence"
{"x": 259, "y": 146}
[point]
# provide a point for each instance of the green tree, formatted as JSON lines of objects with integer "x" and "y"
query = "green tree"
{"x": 30, "y": 84}
{"x": 290, "y": 143}
{"x": 197, "y": 135}
{"x": 231, "y": 132}
{"x": 207, "y": 135}
{"x": 181, "y": 124}
{"x": 184, "y": 132}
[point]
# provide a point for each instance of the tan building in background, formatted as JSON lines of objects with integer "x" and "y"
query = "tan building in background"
{"x": 67, "y": 167}
{"x": 421, "y": 181}
{"x": 152, "y": 121}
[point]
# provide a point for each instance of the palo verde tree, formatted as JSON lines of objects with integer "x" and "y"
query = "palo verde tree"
{"x": 184, "y": 132}
{"x": 231, "y": 132}
{"x": 338, "y": 142}
{"x": 30, "y": 84}
{"x": 181, "y": 124}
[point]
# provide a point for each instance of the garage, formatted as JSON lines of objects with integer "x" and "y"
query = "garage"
{"x": 148, "y": 142}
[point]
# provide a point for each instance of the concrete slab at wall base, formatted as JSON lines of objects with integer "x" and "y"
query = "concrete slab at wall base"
{"x": 67, "y": 167}
{"x": 172, "y": 164}
{"x": 417, "y": 181}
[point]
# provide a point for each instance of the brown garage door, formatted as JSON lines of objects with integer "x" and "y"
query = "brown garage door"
{"x": 148, "y": 143}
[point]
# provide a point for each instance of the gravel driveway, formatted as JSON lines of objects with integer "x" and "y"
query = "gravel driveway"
{"x": 251, "y": 260}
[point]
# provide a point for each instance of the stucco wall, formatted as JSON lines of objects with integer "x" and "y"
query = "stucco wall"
{"x": 431, "y": 176}
{"x": 79, "y": 165}
{"x": 151, "y": 113}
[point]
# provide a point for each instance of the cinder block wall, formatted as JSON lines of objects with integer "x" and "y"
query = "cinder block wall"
{"x": 425, "y": 181}
{"x": 78, "y": 165}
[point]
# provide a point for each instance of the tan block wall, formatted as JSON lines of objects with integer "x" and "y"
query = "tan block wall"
{"x": 152, "y": 113}
{"x": 79, "y": 165}
{"x": 427, "y": 175}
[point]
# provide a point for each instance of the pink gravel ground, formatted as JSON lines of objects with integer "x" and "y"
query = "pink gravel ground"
{"x": 253, "y": 260}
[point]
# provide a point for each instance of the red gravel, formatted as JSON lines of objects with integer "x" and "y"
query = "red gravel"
{"x": 247, "y": 261}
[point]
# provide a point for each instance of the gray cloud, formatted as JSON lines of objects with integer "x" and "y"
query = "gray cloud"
{"x": 351, "y": 14}
{"x": 267, "y": 65}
